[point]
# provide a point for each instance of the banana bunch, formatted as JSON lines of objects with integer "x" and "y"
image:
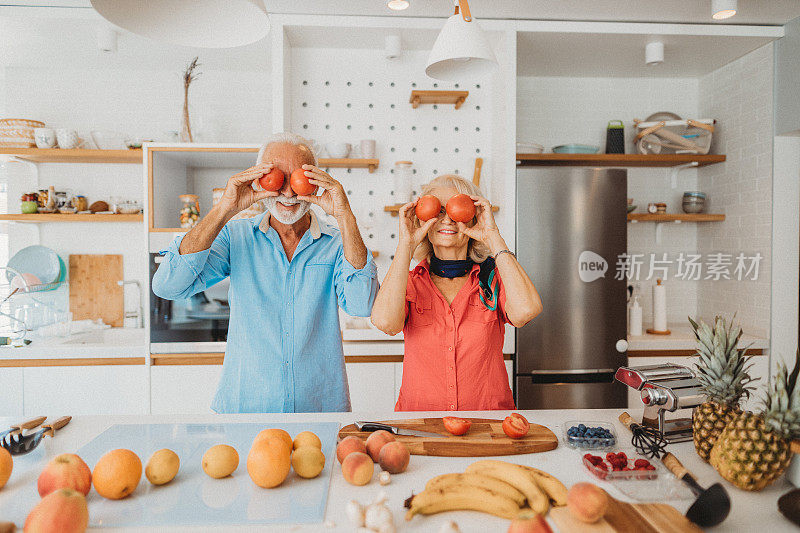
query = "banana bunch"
{"x": 494, "y": 487}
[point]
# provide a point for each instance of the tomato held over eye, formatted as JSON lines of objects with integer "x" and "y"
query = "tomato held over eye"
{"x": 460, "y": 208}
{"x": 428, "y": 207}
{"x": 456, "y": 425}
{"x": 272, "y": 180}
{"x": 516, "y": 426}
{"x": 299, "y": 183}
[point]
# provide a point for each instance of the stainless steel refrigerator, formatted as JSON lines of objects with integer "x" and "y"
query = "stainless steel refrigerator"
{"x": 571, "y": 228}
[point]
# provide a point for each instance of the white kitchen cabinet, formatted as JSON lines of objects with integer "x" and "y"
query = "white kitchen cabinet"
{"x": 11, "y": 395}
{"x": 372, "y": 386}
{"x": 183, "y": 389}
{"x": 86, "y": 390}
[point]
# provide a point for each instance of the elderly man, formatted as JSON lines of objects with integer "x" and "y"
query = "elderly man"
{"x": 288, "y": 270}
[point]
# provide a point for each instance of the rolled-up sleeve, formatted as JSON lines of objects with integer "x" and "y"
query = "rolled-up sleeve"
{"x": 356, "y": 288}
{"x": 182, "y": 275}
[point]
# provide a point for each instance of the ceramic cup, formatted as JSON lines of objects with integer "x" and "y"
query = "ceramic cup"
{"x": 368, "y": 148}
{"x": 45, "y": 137}
{"x": 338, "y": 150}
{"x": 68, "y": 139}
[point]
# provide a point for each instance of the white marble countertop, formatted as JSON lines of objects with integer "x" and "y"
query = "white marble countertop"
{"x": 750, "y": 511}
{"x": 105, "y": 343}
{"x": 682, "y": 338}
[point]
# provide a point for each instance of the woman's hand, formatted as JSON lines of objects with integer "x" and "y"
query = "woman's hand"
{"x": 485, "y": 229}
{"x": 333, "y": 200}
{"x": 411, "y": 232}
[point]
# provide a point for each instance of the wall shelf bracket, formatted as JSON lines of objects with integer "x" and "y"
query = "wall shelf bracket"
{"x": 673, "y": 172}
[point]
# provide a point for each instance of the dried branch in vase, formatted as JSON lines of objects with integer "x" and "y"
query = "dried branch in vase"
{"x": 189, "y": 75}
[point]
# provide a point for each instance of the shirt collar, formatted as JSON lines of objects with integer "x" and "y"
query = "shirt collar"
{"x": 317, "y": 227}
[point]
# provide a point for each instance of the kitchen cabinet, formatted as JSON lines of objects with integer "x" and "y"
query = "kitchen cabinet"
{"x": 11, "y": 395}
{"x": 86, "y": 390}
{"x": 183, "y": 389}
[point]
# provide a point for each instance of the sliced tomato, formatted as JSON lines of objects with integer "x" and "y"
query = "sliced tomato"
{"x": 516, "y": 426}
{"x": 455, "y": 425}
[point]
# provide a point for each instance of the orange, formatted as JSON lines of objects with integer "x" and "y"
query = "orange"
{"x": 268, "y": 463}
{"x": 276, "y": 433}
{"x": 6, "y": 465}
{"x": 117, "y": 474}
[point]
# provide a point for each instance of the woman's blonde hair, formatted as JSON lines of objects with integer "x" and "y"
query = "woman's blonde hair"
{"x": 477, "y": 251}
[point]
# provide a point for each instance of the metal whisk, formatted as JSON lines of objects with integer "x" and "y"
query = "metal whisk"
{"x": 648, "y": 441}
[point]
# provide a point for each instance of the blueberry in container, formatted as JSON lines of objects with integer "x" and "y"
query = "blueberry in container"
{"x": 590, "y": 434}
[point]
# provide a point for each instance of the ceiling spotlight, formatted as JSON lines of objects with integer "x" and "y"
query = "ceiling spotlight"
{"x": 393, "y": 46}
{"x": 106, "y": 39}
{"x": 723, "y": 9}
{"x": 397, "y": 5}
{"x": 654, "y": 53}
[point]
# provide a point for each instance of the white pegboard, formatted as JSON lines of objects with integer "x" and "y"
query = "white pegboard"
{"x": 346, "y": 95}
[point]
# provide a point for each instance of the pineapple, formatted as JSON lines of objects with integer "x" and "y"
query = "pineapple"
{"x": 722, "y": 373}
{"x": 754, "y": 449}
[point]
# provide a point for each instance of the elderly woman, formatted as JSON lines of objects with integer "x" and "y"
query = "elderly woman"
{"x": 453, "y": 326}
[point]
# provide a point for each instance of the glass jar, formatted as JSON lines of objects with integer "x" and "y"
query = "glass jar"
{"x": 403, "y": 181}
{"x": 190, "y": 212}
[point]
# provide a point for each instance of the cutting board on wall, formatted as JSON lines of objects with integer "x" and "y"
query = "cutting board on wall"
{"x": 93, "y": 289}
{"x": 485, "y": 438}
{"x": 623, "y": 517}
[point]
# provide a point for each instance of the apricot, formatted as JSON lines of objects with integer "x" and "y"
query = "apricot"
{"x": 162, "y": 467}
{"x": 376, "y": 441}
{"x": 268, "y": 463}
{"x": 6, "y": 465}
{"x": 279, "y": 434}
{"x": 117, "y": 474}
{"x": 349, "y": 445}
{"x": 61, "y": 511}
{"x": 306, "y": 438}
{"x": 220, "y": 461}
{"x": 308, "y": 461}
{"x": 587, "y": 502}
{"x": 357, "y": 468}
{"x": 394, "y": 457}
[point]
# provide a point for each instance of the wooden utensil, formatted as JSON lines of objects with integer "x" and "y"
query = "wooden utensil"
{"x": 476, "y": 176}
{"x": 93, "y": 289}
{"x": 485, "y": 438}
{"x": 18, "y": 428}
{"x": 626, "y": 517}
{"x": 22, "y": 444}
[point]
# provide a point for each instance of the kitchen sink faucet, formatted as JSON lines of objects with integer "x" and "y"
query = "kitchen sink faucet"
{"x": 139, "y": 314}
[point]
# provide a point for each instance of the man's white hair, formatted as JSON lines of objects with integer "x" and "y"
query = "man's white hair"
{"x": 286, "y": 138}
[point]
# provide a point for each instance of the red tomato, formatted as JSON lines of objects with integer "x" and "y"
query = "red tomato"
{"x": 428, "y": 207}
{"x": 299, "y": 183}
{"x": 455, "y": 425}
{"x": 516, "y": 426}
{"x": 460, "y": 208}
{"x": 272, "y": 180}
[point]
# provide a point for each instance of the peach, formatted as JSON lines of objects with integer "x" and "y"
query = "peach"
{"x": 279, "y": 434}
{"x": 357, "y": 468}
{"x": 6, "y": 465}
{"x": 65, "y": 471}
{"x": 268, "y": 463}
{"x": 220, "y": 461}
{"x": 306, "y": 438}
{"x": 349, "y": 445}
{"x": 61, "y": 511}
{"x": 587, "y": 502}
{"x": 376, "y": 441}
{"x": 394, "y": 457}
{"x": 529, "y": 522}
{"x": 117, "y": 474}
{"x": 162, "y": 467}
{"x": 308, "y": 461}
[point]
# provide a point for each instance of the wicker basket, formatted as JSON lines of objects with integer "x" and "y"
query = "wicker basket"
{"x": 18, "y": 132}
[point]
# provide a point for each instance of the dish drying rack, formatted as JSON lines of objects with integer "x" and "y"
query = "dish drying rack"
{"x": 28, "y": 310}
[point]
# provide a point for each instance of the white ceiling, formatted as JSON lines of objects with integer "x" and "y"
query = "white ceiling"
{"x": 769, "y": 12}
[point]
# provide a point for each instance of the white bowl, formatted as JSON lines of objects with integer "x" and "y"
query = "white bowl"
{"x": 529, "y": 148}
{"x": 338, "y": 150}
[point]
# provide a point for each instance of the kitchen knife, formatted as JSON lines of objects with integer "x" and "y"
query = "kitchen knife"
{"x": 375, "y": 426}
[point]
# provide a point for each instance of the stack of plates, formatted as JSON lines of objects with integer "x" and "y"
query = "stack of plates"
{"x": 39, "y": 261}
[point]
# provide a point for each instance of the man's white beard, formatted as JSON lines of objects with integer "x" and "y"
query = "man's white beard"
{"x": 282, "y": 217}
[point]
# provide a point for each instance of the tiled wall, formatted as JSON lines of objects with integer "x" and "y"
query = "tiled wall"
{"x": 739, "y": 96}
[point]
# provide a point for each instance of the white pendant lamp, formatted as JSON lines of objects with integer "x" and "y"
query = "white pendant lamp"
{"x": 196, "y": 23}
{"x": 397, "y": 5}
{"x": 461, "y": 50}
{"x": 723, "y": 9}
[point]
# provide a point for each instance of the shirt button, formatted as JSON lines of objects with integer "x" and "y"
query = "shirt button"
{"x": 451, "y": 367}
{"x": 452, "y": 407}
{"x": 451, "y": 386}
{"x": 450, "y": 348}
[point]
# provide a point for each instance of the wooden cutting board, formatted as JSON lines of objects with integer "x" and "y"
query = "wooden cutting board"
{"x": 93, "y": 289}
{"x": 626, "y": 517}
{"x": 484, "y": 438}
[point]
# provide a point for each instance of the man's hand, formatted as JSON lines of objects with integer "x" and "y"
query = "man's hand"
{"x": 333, "y": 200}
{"x": 239, "y": 192}
{"x": 411, "y": 232}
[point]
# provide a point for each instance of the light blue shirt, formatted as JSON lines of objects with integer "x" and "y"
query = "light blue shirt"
{"x": 284, "y": 350}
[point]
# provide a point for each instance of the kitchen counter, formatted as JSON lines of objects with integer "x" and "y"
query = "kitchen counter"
{"x": 682, "y": 339}
{"x": 122, "y": 344}
{"x": 751, "y": 511}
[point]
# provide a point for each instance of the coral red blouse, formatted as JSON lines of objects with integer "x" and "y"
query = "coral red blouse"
{"x": 453, "y": 353}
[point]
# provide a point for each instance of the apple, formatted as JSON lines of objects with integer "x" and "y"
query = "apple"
{"x": 65, "y": 471}
{"x": 62, "y": 511}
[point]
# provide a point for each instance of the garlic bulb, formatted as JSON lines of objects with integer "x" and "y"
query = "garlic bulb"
{"x": 387, "y": 528}
{"x": 378, "y": 517}
{"x": 449, "y": 527}
{"x": 355, "y": 512}
{"x": 384, "y": 478}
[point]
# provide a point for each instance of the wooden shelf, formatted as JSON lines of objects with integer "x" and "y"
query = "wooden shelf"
{"x": 437, "y": 97}
{"x": 617, "y": 160}
{"x": 675, "y": 217}
{"x": 371, "y": 164}
{"x": 395, "y": 209}
{"x": 57, "y": 155}
{"x": 59, "y": 217}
